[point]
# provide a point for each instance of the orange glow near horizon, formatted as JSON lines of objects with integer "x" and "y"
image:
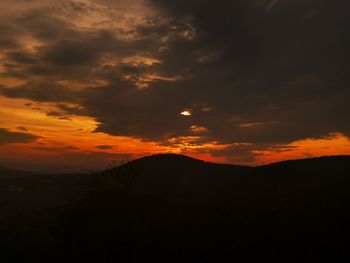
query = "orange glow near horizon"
{"x": 66, "y": 65}
{"x": 61, "y": 138}
{"x": 336, "y": 144}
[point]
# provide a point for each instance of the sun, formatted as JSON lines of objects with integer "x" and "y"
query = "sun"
{"x": 186, "y": 113}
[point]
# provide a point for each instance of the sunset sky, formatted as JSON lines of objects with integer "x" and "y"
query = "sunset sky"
{"x": 86, "y": 82}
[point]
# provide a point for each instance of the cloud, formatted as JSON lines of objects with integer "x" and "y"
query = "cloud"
{"x": 266, "y": 78}
{"x": 286, "y": 80}
{"x": 267, "y": 72}
{"x": 7, "y": 137}
{"x": 104, "y": 147}
{"x": 22, "y": 128}
{"x": 41, "y": 92}
{"x": 72, "y": 148}
{"x": 238, "y": 153}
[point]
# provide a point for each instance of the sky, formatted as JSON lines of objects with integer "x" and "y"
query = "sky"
{"x": 88, "y": 83}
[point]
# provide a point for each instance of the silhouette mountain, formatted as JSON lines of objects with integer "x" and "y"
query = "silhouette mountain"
{"x": 175, "y": 163}
{"x": 168, "y": 207}
{"x": 295, "y": 208}
{"x": 5, "y": 171}
{"x": 172, "y": 175}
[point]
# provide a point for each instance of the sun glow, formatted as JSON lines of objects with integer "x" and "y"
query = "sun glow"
{"x": 186, "y": 113}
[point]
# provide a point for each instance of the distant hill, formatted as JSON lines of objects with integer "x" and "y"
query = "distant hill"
{"x": 163, "y": 163}
{"x": 289, "y": 209}
{"x": 170, "y": 207}
{"x": 4, "y": 171}
{"x": 177, "y": 163}
{"x": 172, "y": 174}
{"x": 330, "y": 162}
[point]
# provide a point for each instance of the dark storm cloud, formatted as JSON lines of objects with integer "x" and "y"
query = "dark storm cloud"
{"x": 283, "y": 65}
{"x": 7, "y": 136}
{"x": 261, "y": 72}
{"x": 84, "y": 50}
{"x": 21, "y": 57}
{"x": 8, "y": 37}
{"x": 42, "y": 24}
{"x": 42, "y": 92}
{"x": 64, "y": 51}
{"x": 149, "y": 114}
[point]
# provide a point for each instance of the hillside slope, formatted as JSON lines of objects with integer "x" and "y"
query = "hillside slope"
{"x": 297, "y": 208}
{"x": 170, "y": 207}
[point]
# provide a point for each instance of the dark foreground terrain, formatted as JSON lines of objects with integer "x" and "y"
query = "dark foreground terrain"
{"x": 172, "y": 208}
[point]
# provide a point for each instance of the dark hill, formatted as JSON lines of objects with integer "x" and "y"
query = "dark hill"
{"x": 162, "y": 160}
{"x": 172, "y": 174}
{"x": 175, "y": 163}
{"x": 5, "y": 172}
{"x": 318, "y": 163}
{"x": 285, "y": 211}
{"x": 170, "y": 207}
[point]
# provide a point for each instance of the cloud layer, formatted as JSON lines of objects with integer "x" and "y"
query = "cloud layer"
{"x": 251, "y": 74}
{"x": 7, "y": 136}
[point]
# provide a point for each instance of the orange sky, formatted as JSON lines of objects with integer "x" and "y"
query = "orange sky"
{"x": 152, "y": 81}
{"x": 72, "y": 144}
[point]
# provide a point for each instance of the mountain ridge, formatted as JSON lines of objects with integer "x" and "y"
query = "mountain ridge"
{"x": 295, "y": 208}
{"x": 6, "y": 171}
{"x": 177, "y": 159}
